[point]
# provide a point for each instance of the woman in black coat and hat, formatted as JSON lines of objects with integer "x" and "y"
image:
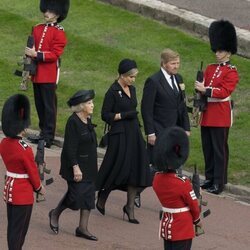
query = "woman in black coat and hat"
{"x": 78, "y": 164}
{"x": 125, "y": 164}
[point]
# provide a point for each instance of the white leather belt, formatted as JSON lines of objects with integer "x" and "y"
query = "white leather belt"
{"x": 175, "y": 210}
{"x": 17, "y": 176}
{"x": 211, "y": 99}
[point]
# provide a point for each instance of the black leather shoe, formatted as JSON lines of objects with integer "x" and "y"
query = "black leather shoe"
{"x": 137, "y": 200}
{"x": 48, "y": 143}
{"x": 215, "y": 189}
{"x": 53, "y": 228}
{"x": 33, "y": 138}
{"x": 85, "y": 236}
{"x": 206, "y": 184}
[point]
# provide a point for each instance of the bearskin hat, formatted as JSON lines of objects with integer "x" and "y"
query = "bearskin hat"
{"x": 222, "y": 36}
{"x": 15, "y": 115}
{"x": 171, "y": 149}
{"x": 60, "y": 7}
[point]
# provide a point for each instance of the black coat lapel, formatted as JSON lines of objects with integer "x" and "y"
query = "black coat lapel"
{"x": 165, "y": 83}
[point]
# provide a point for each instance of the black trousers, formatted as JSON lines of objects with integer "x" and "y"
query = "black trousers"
{"x": 46, "y": 107}
{"x": 216, "y": 153}
{"x": 178, "y": 245}
{"x": 18, "y": 224}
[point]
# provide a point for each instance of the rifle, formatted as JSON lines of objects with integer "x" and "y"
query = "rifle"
{"x": 196, "y": 188}
{"x": 39, "y": 159}
{"x": 29, "y": 67}
{"x": 199, "y": 101}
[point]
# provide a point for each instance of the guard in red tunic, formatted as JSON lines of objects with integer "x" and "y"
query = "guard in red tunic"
{"x": 50, "y": 40}
{"x": 179, "y": 204}
{"x": 220, "y": 81}
{"x": 22, "y": 177}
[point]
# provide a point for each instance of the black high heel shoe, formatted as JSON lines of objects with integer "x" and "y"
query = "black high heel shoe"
{"x": 53, "y": 228}
{"x": 100, "y": 209}
{"x": 125, "y": 211}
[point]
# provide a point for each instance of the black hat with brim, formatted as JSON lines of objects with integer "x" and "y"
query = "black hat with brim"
{"x": 81, "y": 96}
{"x": 15, "y": 115}
{"x": 171, "y": 149}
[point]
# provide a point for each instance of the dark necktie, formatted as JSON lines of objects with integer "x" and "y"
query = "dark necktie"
{"x": 176, "y": 92}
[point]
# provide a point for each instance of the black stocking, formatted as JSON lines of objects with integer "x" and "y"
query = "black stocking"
{"x": 130, "y": 201}
{"x": 57, "y": 212}
{"x": 84, "y": 220}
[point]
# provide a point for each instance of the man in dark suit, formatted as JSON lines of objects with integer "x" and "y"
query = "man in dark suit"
{"x": 163, "y": 101}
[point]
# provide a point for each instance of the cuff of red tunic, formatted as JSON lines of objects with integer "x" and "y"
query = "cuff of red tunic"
{"x": 197, "y": 221}
{"x": 39, "y": 189}
{"x": 208, "y": 92}
{"x": 39, "y": 56}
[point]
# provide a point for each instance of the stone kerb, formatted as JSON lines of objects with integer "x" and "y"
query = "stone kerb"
{"x": 183, "y": 19}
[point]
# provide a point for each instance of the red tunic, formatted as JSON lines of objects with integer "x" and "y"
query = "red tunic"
{"x": 49, "y": 48}
{"x": 221, "y": 81}
{"x": 174, "y": 192}
{"x": 19, "y": 159}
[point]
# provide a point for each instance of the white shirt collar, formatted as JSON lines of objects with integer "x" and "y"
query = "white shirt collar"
{"x": 167, "y": 76}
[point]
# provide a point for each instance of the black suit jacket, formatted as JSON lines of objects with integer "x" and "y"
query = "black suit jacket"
{"x": 160, "y": 107}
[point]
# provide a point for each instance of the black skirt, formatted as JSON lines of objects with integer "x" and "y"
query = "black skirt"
{"x": 80, "y": 195}
{"x": 126, "y": 161}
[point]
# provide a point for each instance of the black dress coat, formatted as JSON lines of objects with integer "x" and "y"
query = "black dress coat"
{"x": 125, "y": 162}
{"x": 80, "y": 147}
{"x": 160, "y": 107}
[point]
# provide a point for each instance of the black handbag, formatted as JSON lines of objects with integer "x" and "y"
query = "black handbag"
{"x": 104, "y": 140}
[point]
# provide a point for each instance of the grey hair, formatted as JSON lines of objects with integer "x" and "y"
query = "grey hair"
{"x": 78, "y": 108}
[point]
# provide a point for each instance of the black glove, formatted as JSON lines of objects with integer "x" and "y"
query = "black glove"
{"x": 129, "y": 115}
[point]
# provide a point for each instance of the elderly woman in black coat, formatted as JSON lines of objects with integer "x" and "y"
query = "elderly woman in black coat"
{"x": 78, "y": 164}
{"x": 125, "y": 164}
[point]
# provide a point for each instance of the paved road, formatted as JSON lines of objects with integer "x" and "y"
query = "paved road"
{"x": 235, "y": 11}
{"x": 228, "y": 226}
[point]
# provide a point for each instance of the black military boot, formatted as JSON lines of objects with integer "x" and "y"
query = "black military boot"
{"x": 206, "y": 184}
{"x": 215, "y": 189}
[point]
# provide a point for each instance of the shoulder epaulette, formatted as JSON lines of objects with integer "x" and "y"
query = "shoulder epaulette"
{"x": 181, "y": 177}
{"x": 159, "y": 172}
{"x": 23, "y": 144}
{"x": 231, "y": 66}
{"x": 59, "y": 27}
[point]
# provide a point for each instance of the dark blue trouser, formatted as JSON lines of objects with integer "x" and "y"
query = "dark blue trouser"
{"x": 216, "y": 153}
{"x": 46, "y": 107}
{"x": 18, "y": 224}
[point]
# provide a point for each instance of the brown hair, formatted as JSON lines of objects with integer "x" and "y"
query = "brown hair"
{"x": 168, "y": 55}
